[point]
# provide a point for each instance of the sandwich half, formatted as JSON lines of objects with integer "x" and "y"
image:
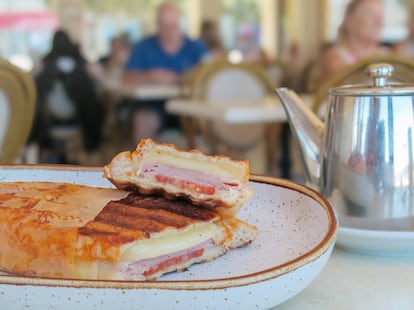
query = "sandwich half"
{"x": 64, "y": 230}
{"x": 208, "y": 181}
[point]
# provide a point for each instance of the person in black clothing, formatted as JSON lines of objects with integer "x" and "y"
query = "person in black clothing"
{"x": 64, "y": 77}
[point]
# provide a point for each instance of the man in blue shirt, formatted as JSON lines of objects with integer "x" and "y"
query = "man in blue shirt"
{"x": 160, "y": 59}
{"x": 149, "y": 62}
{"x": 165, "y": 56}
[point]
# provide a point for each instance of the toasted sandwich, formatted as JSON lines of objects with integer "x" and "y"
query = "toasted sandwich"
{"x": 64, "y": 230}
{"x": 208, "y": 181}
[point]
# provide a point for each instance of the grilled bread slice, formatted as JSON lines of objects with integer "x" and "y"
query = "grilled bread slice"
{"x": 209, "y": 181}
{"x": 72, "y": 231}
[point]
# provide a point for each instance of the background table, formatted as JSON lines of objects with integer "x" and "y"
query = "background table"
{"x": 144, "y": 91}
{"x": 264, "y": 111}
{"x": 269, "y": 109}
{"x": 151, "y": 91}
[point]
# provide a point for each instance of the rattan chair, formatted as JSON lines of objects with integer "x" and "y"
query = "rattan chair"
{"x": 17, "y": 110}
{"x": 221, "y": 82}
{"x": 355, "y": 74}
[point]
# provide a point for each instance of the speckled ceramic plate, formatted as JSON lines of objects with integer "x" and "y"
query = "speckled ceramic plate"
{"x": 297, "y": 230}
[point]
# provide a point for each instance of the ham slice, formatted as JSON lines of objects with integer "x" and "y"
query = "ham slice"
{"x": 188, "y": 179}
{"x": 153, "y": 267}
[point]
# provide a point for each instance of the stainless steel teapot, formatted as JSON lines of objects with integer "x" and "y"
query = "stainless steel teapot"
{"x": 362, "y": 157}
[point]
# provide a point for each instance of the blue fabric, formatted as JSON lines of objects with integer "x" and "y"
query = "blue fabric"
{"x": 148, "y": 54}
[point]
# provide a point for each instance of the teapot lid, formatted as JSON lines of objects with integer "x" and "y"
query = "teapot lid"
{"x": 379, "y": 74}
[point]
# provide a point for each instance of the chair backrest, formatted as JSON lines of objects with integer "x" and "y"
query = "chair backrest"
{"x": 222, "y": 82}
{"x": 355, "y": 74}
{"x": 311, "y": 76}
{"x": 4, "y": 116}
{"x": 18, "y": 106}
{"x": 233, "y": 84}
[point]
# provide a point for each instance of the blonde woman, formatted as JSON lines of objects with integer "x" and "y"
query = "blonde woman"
{"x": 358, "y": 37}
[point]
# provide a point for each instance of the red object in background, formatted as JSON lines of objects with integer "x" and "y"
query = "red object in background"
{"x": 28, "y": 21}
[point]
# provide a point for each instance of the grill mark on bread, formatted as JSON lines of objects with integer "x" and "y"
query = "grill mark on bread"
{"x": 140, "y": 216}
{"x": 140, "y": 224}
{"x": 130, "y": 214}
{"x": 178, "y": 207}
{"x": 114, "y": 234}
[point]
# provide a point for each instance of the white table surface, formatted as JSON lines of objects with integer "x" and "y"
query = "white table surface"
{"x": 264, "y": 111}
{"x": 356, "y": 281}
{"x": 146, "y": 91}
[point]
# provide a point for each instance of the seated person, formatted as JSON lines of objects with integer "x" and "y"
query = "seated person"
{"x": 161, "y": 58}
{"x": 210, "y": 35}
{"x": 358, "y": 36}
{"x": 113, "y": 64}
{"x": 66, "y": 96}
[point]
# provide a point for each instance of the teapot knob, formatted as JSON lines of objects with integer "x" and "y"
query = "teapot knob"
{"x": 379, "y": 72}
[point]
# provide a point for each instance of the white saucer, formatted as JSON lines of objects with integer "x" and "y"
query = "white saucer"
{"x": 376, "y": 242}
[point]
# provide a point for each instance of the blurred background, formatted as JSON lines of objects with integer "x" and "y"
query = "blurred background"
{"x": 103, "y": 106}
{"x": 27, "y": 26}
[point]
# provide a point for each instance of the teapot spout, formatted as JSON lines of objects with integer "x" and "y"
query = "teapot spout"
{"x": 307, "y": 130}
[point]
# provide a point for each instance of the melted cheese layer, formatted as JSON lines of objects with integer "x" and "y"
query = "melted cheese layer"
{"x": 155, "y": 247}
{"x": 219, "y": 168}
